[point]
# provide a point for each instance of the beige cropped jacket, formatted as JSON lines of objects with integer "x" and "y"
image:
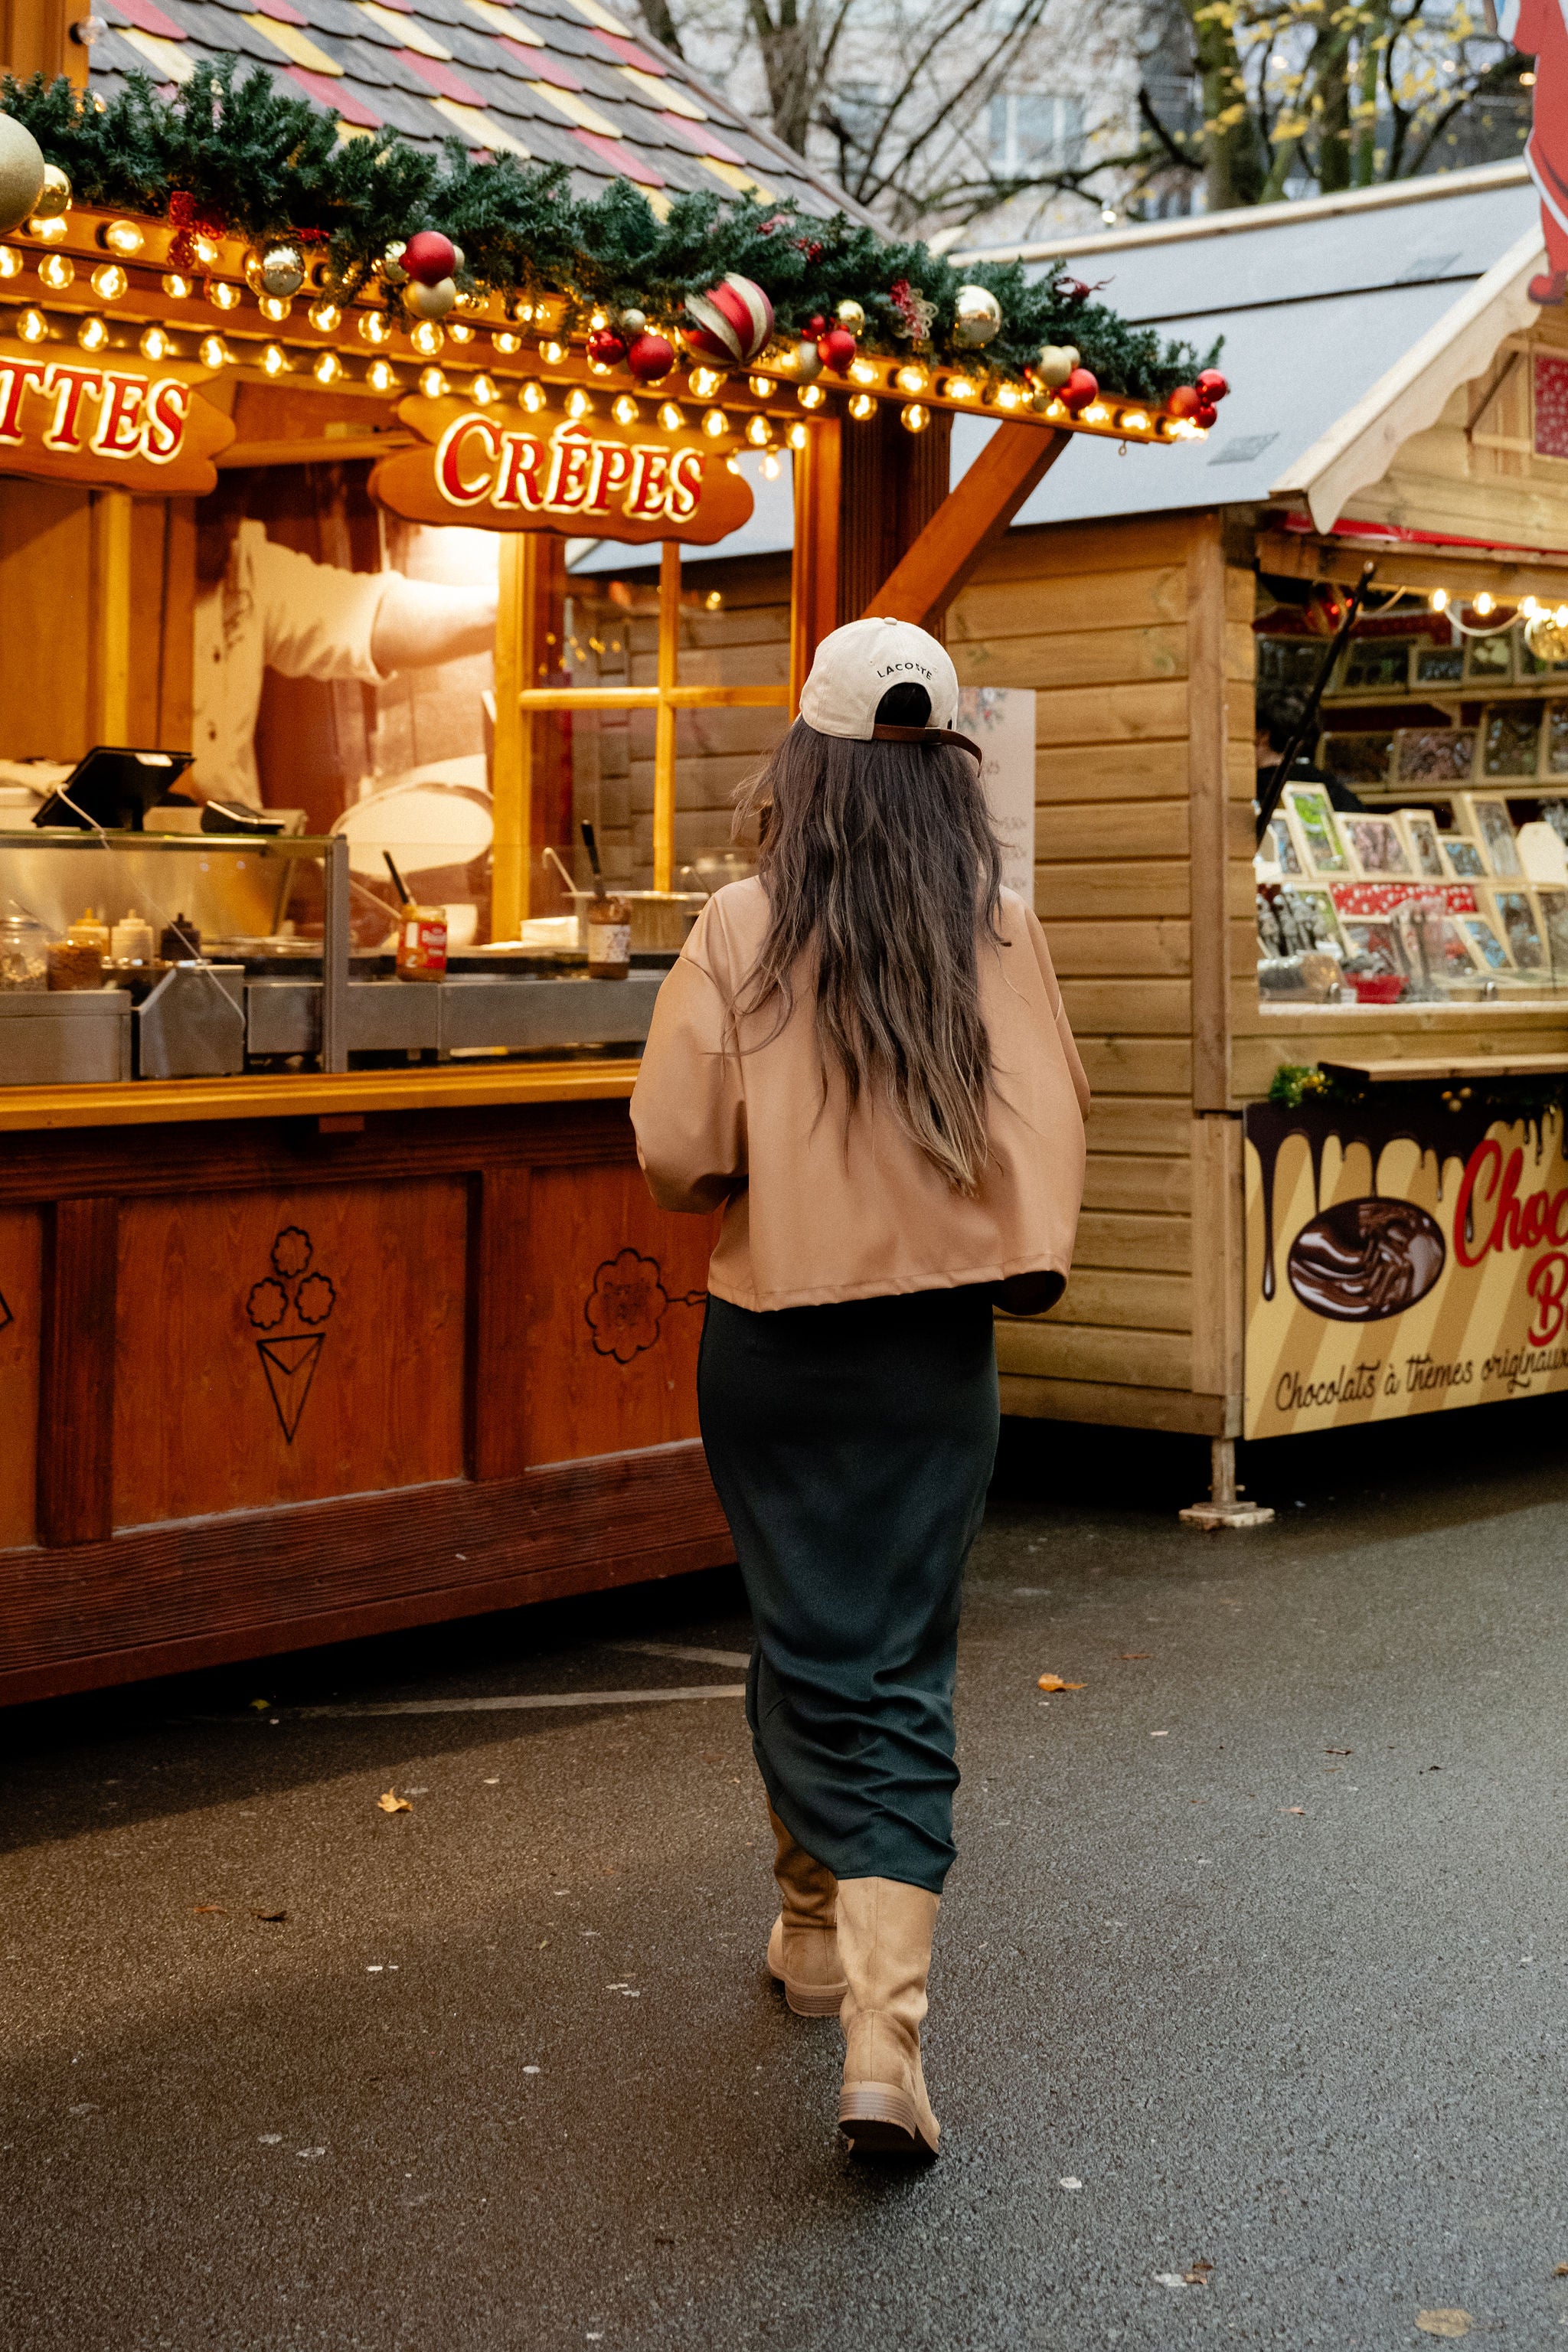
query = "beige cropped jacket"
{"x": 817, "y": 1209}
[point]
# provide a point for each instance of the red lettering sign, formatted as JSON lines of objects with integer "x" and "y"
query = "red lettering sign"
{"x": 67, "y": 422}
{"x": 1489, "y": 1195}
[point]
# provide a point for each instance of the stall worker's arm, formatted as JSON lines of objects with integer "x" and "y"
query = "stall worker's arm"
{"x": 689, "y": 1105}
{"x": 1059, "y": 1011}
{"x": 320, "y": 621}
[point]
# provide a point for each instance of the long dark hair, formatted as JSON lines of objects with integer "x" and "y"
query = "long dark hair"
{"x": 881, "y": 867}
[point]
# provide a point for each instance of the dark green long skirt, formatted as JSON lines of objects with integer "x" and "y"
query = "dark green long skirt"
{"x": 851, "y": 1448}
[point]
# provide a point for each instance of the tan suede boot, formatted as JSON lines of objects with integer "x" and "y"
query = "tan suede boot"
{"x": 803, "y": 1950}
{"x": 884, "y": 1940}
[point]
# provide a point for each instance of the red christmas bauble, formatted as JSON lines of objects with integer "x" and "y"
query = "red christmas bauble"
{"x": 1079, "y": 391}
{"x": 1212, "y": 385}
{"x": 837, "y": 350}
{"x": 429, "y": 257}
{"x": 1205, "y": 416}
{"x": 731, "y": 323}
{"x": 1184, "y": 401}
{"x": 606, "y": 348}
{"x": 650, "y": 357}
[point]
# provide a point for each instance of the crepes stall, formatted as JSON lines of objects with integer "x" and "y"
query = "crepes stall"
{"x": 332, "y": 1299}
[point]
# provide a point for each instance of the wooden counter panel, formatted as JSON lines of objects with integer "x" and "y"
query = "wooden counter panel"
{"x": 21, "y": 1316}
{"x": 286, "y": 1344}
{"x": 616, "y": 1289}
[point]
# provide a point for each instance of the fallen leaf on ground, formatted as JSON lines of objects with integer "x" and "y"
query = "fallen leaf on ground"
{"x": 1199, "y": 2273}
{"x": 1339, "y": 1751}
{"x": 1132, "y": 1653}
{"x": 1055, "y": 1682}
{"x": 261, "y": 1705}
{"x": 199, "y": 1907}
{"x": 272, "y": 1918}
{"x": 393, "y": 1803}
{"x": 1562, "y": 2271}
{"x": 1444, "y": 2323}
{"x": 1293, "y": 1809}
{"x": 1171, "y": 2279}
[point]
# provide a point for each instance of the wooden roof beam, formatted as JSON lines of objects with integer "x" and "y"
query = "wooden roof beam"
{"x": 929, "y": 575}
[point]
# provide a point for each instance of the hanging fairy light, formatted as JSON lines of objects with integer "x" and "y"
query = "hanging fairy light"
{"x": 671, "y": 417}
{"x": 275, "y": 361}
{"x": 505, "y": 343}
{"x": 275, "y": 307}
{"x": 552, "y": 353}
{"x": 483, "y": 390}
{"x": 534, "y": 398}
{"x": 10, "y": 261}
{"x": 624, "y": 411}
{"x": 427, "y": 338}
{"x": 578, "y": 403}
{"x": 771, "y": 466}
{"x": 459, "y": 331}
{"x": 33, "y": 327}
{"x": 223, "y": 296}
{"x": 155, "y": 345}
{"x": 176, "y": 286}
{"x": 109, "y": 281}
{"x": 759, "y": 432}
{"x": 715, "y": 424}
{"x": 861, "y": 407}
{"x": 56, "y": 271}
{"x": 372, "y": 328}
{"x": 92, "y": 334}
{"x": 797, "y": 436}
{"x": 213, "y": 352}
{"x": 380, "y": 376}
{"x": 810, "y": 395}
{"x": 433, "y": 383}
{"x": 760, "y": 385}
{"x": 324, "y": 316}
{"x": 915, "y": 417}
{"x": 328, "y": 368}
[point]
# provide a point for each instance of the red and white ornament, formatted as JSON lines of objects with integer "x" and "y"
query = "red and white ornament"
{"x": 732, "y": 322}
{"x": 650, "y": 356}
{"x": 1080, "y": 390}
{"x": 429, "y": 257}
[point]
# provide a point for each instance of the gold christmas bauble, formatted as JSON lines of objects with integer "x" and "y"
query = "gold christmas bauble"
{"x": 55, "y": 195}
{"x": 1054, "y": 364}
{"x": 1547, "y": 638}
{"x": 976, "y": 317}
{"x": 21, "y": 174}
{"x": 851, "y": 316}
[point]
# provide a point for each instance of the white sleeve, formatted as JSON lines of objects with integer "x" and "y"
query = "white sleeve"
{"x": 316, "y": 621}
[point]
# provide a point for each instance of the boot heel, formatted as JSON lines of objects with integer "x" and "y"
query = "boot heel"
{"x": 810, "y": 2001}
{"x": 879, "y": 2119}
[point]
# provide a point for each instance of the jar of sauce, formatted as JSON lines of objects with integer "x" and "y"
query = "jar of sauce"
{"x": 609, "y": 938}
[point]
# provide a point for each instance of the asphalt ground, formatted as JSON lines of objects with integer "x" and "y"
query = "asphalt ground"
{"x": 1248, "y": 2014}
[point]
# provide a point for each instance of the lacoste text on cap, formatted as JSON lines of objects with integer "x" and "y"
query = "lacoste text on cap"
{"x": 856, "y": 665}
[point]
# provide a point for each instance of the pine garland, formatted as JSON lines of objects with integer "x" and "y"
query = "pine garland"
{"x": 270, "y": 165}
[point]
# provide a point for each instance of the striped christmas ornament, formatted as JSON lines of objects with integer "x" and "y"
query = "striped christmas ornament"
{"x": 732, "y": 322}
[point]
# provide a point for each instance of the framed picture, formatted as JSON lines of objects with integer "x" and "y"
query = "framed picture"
{"x": 1305, "y": 922}
{"x": 1280, "y": 849}
{"x": 1377, "y": 938}
{"x": 1464, "y": 857}
{"x": 1552, "y": 898}
{"x": 1317, "y": 830}
{"x": 1488, "y": 952}
{"x": 1450, "y": 953}
{"x": 1377, "y": 846}
{"x": 1485, "y": 818}
{"x": 1513, "y": 915}
{"x": 1423, "y": 846}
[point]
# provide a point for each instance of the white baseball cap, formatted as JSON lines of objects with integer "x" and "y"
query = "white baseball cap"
{"x": 856, "y": 665}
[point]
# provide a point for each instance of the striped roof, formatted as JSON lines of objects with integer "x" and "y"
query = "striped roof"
{"x": 557, "y": 82}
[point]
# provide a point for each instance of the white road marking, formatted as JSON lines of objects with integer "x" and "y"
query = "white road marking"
{"x": 679, "y": 1650}
{"x": 521, "y": 1700}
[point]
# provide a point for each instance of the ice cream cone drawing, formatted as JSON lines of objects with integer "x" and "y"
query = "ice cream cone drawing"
{"x": 295, "y": 1294}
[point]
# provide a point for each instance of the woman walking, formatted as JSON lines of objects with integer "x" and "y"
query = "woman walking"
{"x": 862, "y": 1057}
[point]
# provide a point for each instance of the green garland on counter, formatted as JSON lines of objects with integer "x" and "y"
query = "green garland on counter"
{"x": 265, "y": 164}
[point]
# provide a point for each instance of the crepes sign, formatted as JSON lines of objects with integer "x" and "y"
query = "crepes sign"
{"x": 104, "y": 422}
{"x": 1402, "y": 1255}
{"x": 508, "y": 469}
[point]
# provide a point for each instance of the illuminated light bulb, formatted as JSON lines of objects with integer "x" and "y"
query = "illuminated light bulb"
{"x": 92, "y": 334}
{"x": 1484, "y": 604}
{"x": 714, "y": 600}
{"x": 372, "y": 328}
{"x": 324, "y": 316}
{"x": 958, "y": 387}
{"x": 109, "y": 281}
{"x": 525, "y": 311}
{"x": 598, "y": 319}
{"x": 155, "y": 345}
{"x": 275, "y": 360}
{"x": 771, "y": 466}
{"x": 533, "y": 398}
{"x": 223, "y": 296}
{"x": 715, "y": 424}
{"x": 483, "y": 390}
{"x": 1135, "y": 421}
{"x": 176, "y": 287}
{"x": 761, "y": 385}
{"x": 10, "y": 261}
{"x": 1438, "y": 600}
{"x": 705, "y": 383}
{"x": 213, "y": 352}
{"x": 797, "y": 436}
{"x": 733, "y": 463}
{"x": 915, "y": 417}
{"x": 861, "y": 407}
{"x": 624, "y": 411}
{"x": 1560, "y": 616}
{"x": 459, "y": 332}
{"x": 759, "y": 432}
{"x": 122, "y": 236}
{"x": 578, "y": 403}
{"x": 381, "y": 375}
{"x": 328, "y": 368}
{"x": 810, "y": 395}
{"x": 57, "y": 270}
{"x": 275, "y": 307}
{"x": 669, "y": 416}
{"x": 862, "y": 371}
{"x": 1096, "y": 412}
{"x": 552, "y": 353}
{"x": 33, "y": 327}
{"x": 1008, "y": 396}
{"x": 1529, "y": 608}
{"x": 912, "y": 378}
{"x": 207, "y": 252}
{"x": 427, "y": 338}
{"x": 506, "y": 343}
{"x": 433, "y": 383}
{"x": 47, "y": 231}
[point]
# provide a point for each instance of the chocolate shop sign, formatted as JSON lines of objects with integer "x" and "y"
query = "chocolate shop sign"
{"x": 506, "y": 468}
{"x": 1401, "y": 1257}
{"x": 108, "y": 424}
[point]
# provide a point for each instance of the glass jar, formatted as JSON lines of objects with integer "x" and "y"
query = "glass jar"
{"x": 23, "y": 953}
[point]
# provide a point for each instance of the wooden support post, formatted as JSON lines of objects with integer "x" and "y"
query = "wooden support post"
{"x": 111, "y": 516}
{"x": 949, "y": 549}
{"x": 665, "y": 717}
{"x": 1208, "y": 829}
{"x": 511, "y": 776}
{"x": 76, "y": 1372}
{"x": 35, "y": 37}
{"x": 814, "y": 583}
